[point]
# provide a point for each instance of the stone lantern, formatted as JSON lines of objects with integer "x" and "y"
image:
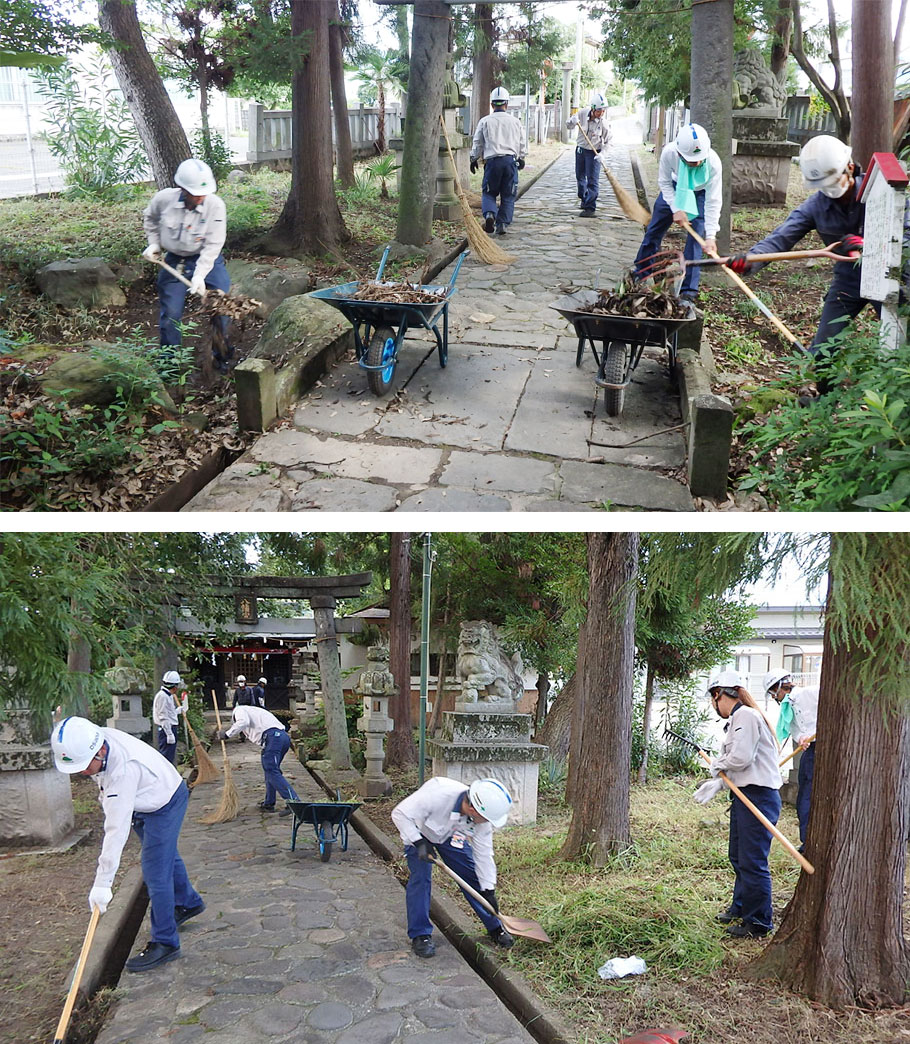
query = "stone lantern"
{"x": 128, "y": 685}
{"x": 376, "y": 685}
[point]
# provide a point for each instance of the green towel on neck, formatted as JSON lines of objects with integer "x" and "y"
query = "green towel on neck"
{"x": 688, "y": 181}
{"x": 785, "y": 720}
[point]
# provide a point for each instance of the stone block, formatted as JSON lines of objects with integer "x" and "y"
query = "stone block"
{"x": 710, "y": 433}
{"x": 86, "y": 281}
{"x": 36, "y": 804}
{"x": 520, "y": 778}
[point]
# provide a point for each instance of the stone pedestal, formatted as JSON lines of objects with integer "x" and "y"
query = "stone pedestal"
{"x": 761, "y": 157}
{"x": 480, "y": 743}
{"x": 127, "y": 687}
{"x": 36, "y": 802}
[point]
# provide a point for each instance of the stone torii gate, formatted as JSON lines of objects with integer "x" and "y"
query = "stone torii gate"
{"x": 323, "y": 593}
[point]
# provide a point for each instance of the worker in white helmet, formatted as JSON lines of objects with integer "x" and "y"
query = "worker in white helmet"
{"x": 690, "y": 176}
{"x": 455, "y": 821}
{"x": 138, "y": 789}
{"x": 797, "y": 721}
{"x": 835, "y": 212}
{"x": 593, "y": 136}
{"x": 501, "y": 142}
{"x": 186, "y": 226}
{"x": 165, "y": 708}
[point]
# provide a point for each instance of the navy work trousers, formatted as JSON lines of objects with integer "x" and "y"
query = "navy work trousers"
{"x": 804, "y": 794}
{"x": 169, "y": 750}
{"x": 275, "y": 744}
{"x": 748, "y": 851}
{"x": 172, "y": 295}
{"x": 587, "y": 176}
{"x": 661, "y": 220}
{"x": 500, "y": 178}
{"x": 163, "y": 870}
{"x": 418, "y": 888}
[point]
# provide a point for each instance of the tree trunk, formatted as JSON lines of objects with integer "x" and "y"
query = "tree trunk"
{"x": 834, "y": 95}
{"x": 344, "y": 152}
{"x": 841, "y": 938}
{"x": 556, "y": 731}
{"x": 380, "y": 121}
{"x": 646, "y": 725}
{"x": 543, "y": 692}
{"x": 311, "y": 221}
{"x": 712, "y": 91}
{"x": 780, "y": 47}
{"x": 602, "y": 722}
{"x": 336, "y": 723}
{"x": 79, "y": 662}
{"x": 203, "y": 79}
{"x": 873, "y": 79}
{"x": 483, "y": 63}
{"x": 421, "y": 129}
{"x": 400, "y": 748}
{"x": 156, "y": 121}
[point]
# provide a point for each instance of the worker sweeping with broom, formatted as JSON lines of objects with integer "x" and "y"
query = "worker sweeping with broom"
{"x": 690, "y": 176}
{"x": 593, "y": 137}
{"x": 262, "y": 727}
{"x": 140, "y": 789}
{"x": 501, "y": 141}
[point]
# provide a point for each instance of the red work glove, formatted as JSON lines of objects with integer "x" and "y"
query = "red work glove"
{"x": 738, "y": 264}
{"x": 850, "y": 245}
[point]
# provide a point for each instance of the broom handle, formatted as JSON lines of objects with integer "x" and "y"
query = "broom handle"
{"x": 792, "y": 753}
{"x": 218, "y": 719}
{"x": 763, "y": 819}
{"x": 77, "y": 977}
{"x": 756, "y": 300}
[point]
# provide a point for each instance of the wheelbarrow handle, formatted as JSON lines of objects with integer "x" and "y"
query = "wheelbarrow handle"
{"x": 458, "y": 265}
{"x": 385, "y": 257}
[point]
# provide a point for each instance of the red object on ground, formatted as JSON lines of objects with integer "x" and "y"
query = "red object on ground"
{"x": 656, "y": 1036}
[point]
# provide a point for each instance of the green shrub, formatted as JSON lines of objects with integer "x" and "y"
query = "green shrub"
{"x": 213, "y": 150}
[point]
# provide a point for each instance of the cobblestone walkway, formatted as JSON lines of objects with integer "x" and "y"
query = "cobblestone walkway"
{"x": 510, "y": 424}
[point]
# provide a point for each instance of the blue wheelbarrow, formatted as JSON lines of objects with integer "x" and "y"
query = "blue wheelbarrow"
{"x": 329, "y": 819}
{"x": 381, "y": 326}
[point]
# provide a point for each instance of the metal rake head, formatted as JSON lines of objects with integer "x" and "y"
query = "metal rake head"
{"x": 686, "y": 741}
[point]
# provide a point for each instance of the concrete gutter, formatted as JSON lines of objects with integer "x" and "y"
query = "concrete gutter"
{"x": 461, "y": 930}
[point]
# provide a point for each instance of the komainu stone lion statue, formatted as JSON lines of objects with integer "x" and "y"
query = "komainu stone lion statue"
{"x": 487, "y": 674}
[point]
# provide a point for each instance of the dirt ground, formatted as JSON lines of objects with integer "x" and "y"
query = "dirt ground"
{"x": 44, "y": 915}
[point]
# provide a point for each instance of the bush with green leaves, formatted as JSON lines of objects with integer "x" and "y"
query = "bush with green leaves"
{"x": 849, "y": 449}
{"x": 213, "y": 150}
{"x": 94, "y": 135}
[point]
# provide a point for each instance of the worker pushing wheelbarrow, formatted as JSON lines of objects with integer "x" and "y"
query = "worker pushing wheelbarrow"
{"x": 381, "y": 314}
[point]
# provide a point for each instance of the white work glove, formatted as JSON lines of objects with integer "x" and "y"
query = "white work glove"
{"x": 169, "y": 736}
{"x": 183, "y": 704}
{"x": 99, "y": 897}
{"x": 197, "y": 284}
{"x": 713, "y": 769}
{"x": 152, "y": 252}
{"x": 709, "y": 789}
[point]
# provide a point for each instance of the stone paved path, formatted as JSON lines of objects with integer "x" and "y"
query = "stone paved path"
{"x": 505, "y": 427}
{"x": 293, "y": 949}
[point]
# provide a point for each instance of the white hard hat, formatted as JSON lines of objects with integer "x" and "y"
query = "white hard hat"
{"x": 196, "y": 177}
{"x": 171, "y": 678}
{"x": 822, "y": 161}
{"x": 693, "y": 143}
{"x": 491, "y": 799}
{"x": 499, "y": 94}
{"x": 597, "y": 100}
{"x": 263, "y": 681}
{"x": 241, "y": 677}
{"x": 75, "y": 741}
{"x": 773, "y": 678}
{"x": 725, "y": 680}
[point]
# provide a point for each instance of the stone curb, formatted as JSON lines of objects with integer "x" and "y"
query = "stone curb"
{"x": 461, "y": 931}
{"x": 116, "y": 933}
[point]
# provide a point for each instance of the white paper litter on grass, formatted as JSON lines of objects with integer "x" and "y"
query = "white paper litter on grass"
{"x": 620, "y": 967}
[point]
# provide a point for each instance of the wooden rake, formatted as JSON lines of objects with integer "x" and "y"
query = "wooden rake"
{"x": 760, "y": 816}
{"x": 668, "y": 262}
{"x": 793, "y": 753}
{"x": 522, "y": 926}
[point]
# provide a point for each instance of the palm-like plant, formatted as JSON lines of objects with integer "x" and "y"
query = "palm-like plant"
{"x": 375, "y": 71}
{"x": 383, "y": 169}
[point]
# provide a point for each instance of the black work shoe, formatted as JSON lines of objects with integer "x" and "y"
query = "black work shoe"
{"x": 500, "y": 230}
{"x": 263, "y": 807}
{"x": 586, "y": 213}
{"x": 501, "y": 937}
{"x": 423, "y": 946}
{"x": 488, "y": 224}
{"x": 747, "y": 931}
{"x": 154, "y": 954}
{"x": 284, "y": 812}
{"x": 728, "y": 916}
{"x": 184, "y": 913}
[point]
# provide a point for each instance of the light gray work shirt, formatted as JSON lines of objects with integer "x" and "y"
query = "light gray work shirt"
{"x": 185, "y": 232}
{"x": 748, "y": 753}
{"x": 499, "y": 134}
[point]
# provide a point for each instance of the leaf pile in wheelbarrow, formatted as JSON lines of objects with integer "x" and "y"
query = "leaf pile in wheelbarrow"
{"x": 640, "y": 305}
{"x": 398, "y": 293}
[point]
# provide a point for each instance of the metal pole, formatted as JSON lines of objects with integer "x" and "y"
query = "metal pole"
{"x": 28, "y": 131}
{"x": 424, "y": 654}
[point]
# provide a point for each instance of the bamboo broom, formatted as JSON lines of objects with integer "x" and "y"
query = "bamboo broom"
{"x": 630, "y": 207}
{"x": 480, "y": 243}
{"x": 230, "y": 802}
{"x": 206, "y": 770}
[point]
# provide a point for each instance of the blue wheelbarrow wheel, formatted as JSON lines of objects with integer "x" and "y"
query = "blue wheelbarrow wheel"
{"x": 381, "y": 354}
